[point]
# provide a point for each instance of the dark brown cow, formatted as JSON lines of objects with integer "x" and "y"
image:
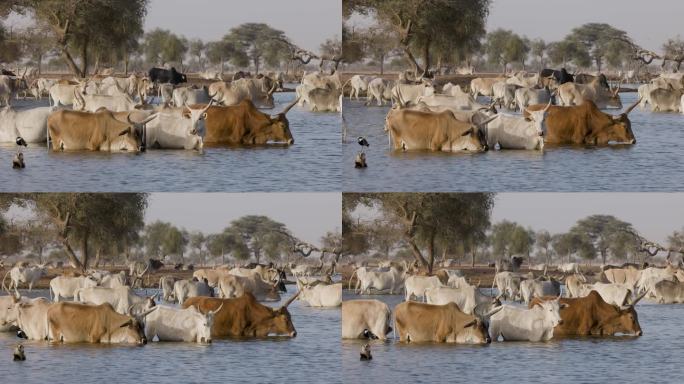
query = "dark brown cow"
{"x": 245, "y": 316}
{"x": 586, "y": 124}
{"x": 591, "y": 316}
{"x": 244, "y": 124}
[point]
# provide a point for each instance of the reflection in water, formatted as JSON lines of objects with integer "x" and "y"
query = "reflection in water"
{"x": 311, "y": 164}
{"x": 313, "y": 356}
{"x": 650, "y": 165}
{"x": 649, "y": 358}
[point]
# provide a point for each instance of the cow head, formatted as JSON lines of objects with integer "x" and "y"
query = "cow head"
{"x": 130, "y": 331}
{"x": 203, "y": 323}
{"x": 550, "y": 311}
{"x": 130, "y": 138}
{"x": 612, "y": 96}
{"x": 9, "y": 310}
{"x": 279, "y": 127}
{"x": 279, "y": 323}
{"x": 474, "y": 138}
{"x": 624, "y": 320}
{"x": 619, "y": 128}
{"x": 473, "y": 332}
{"x": 538, "y": 119}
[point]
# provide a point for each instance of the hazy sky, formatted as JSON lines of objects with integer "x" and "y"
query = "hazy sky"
{"x": 307, "y": 22}
{"x": 308, "y": 215}
{"x": 649, "y": 23}
{"x": 654, "y": 215}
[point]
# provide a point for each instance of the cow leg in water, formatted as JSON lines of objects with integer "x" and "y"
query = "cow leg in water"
{"x": 369, "y": 335}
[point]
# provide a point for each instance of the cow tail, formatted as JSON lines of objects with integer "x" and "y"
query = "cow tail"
{"x": 351, "y": 279}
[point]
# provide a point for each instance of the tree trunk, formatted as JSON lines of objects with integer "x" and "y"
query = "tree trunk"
{"x": 472, "y": 257}
{"x": 73, "y": 260}
{"x": 426, "y": 55}
{"x": 412, "y": 60}
{"x": 382, "y": 64}
{"x": 98, "y": 255}
{"x": 416, "y": 253}
{"x": 70, "y": 63}
{"x": 40, "y": 64}
{"x": 84, "y": 252}
{"x": 431, "y": 253}
{"x": 84, "y": 58}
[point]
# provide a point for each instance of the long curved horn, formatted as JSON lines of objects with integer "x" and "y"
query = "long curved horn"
{"x": 273, "y": 89}
{"x": 290, "y": 300}
{"x": 635, "y": 301}
{"x": 493, "y": 311}
{"x": 548, "y": 105}
{"x": 629, "y": 109}
{"x": 216, "y": 311}
{"x": 484, "y": 123}
{"x": 289, "y": 106}
{"x": 617, "y": 89}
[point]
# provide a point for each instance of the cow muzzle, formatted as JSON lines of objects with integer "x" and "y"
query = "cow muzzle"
{"x": 293, "y": 334}
{"x": 640, "y": 333}
{"x": 141, "y": 148}
{"x": 488, "y": 340}
{"x": 21, "y": 334}
{"x": 633, "y": 141}
{"x": 290, "y": 141}
{"x": 142, "y": 341}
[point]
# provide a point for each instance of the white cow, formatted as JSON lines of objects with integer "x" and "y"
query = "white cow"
{"x": 365, "y": 319}
{"x": 114, "y": 280}
{"x": 516, "y": 132}
{"x": 211, "y": 75}
{"x": 380, "y": 90}
{"x": 615, "y": 294}
{"x": 26, "y": 275}
{"x": 231, "y": 286}
{"x": 569, "y": 268}
{"x": 8, "y": 312}
{"x": 508, "y": 284}
{"x": 468, "y": 298}
{"x": 322, "y": 295}
{"x": 166, "y": 286}
{"x": 462, "y": 102}
{"x": 173, "y": 128}
{"x": 188, "y": 96}
{"x": 66, "y": 286}
{"x": 504, "y": 94}
{"x": 123, "y": 299}
{"x": 185, "y": 289}
{"x": 29, "y": 124}
{"x": 417, "y": 285}
{"x": 408, "y": 94}
{"x": 359, "y": 84}
{"x": 63, "y": 94}
{"x": 91, "y": 103}
{"x": 519, "y": 324}
{"x": 524, "y": 97}
{"x": 392, "y": 280}
{"x": 531, "y": 288}
{"x": 173, "y": 324}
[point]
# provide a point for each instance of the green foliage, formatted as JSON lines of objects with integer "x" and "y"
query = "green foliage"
{"x": 161, "y": 46}
{"x": 504, "y": 47}
{"x": 257, "y": 42}
{"x": 162, "y": 239}
{"x": 607, "y": 235}
{"x": 510, "y": 238}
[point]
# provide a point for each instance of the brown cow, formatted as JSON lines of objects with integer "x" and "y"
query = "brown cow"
{"x": 244, "y": 124}
{"x": 586, "y": 124}
{"x": 418, "y": 322}
{"x": 77, "y": 323}
{"x": 245, "y": 316}
{"x": 99, "y": 131}
{"x": 590, "y": 315}
{"x": 435, "y": 131}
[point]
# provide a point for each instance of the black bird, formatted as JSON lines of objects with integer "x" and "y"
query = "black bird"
{"x": 366, "y": 353}
{"x": 21, "y": 141}
{"x": 18, "y": 161}
{"x": 362, "y": 141}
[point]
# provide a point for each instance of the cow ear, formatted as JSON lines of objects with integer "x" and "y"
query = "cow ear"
{"x": 204, "y": 116}
{"x": 125, "y": 131}
{"x": 127, "y": 323}
{"x": 471, "y": 324}
{"x": 468, "y": 132}
{"x": 563, "y": 305}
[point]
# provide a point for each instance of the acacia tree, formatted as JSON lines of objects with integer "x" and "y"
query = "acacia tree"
{"x": 79, "y": 26}
{"x": 379, "y": 43}
{"x": 422, "y": 24}
{"x": 160, "y": 46}
{"x": 504, "y": 47}
{"x": 606, "y": 234}
{"x": 538, "y": 48}
{"x": 427, "y": 219}
{"x": 510, "y": 238}
{"x": 258, "y": 42}
{"x": 602, "y": 41}
{"x": 543, "y": 241}
{"x": 78, "y": 218}
{"x": 162, "y": 239}
{"x": 260, "y": 235}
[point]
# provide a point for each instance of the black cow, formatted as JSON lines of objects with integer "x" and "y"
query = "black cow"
{"x": 154, "y": 264}
{"x": 171, "y": 76}
{"x": 561, "y": 76}
{"x": 8, "y": 73}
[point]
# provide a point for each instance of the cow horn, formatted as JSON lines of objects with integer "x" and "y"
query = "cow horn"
{"x": 216, "y": 311}
{"x": 484, "y": 123}
{"x": 289, "y": 106}
{"x": 629, "y": 109}
{"x": 144, "y": 314}
{"x": 273, "y": 88}
{"x": 290, "y": 300}
{"x": 493, "y": 311}
{"x": 641, "y": 296}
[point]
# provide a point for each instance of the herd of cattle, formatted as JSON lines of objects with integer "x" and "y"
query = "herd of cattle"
{"x": 108, "y": 113}
{"x": 455, "y": 311}
{"x": 100, "y": 306}
{"x": 453, "y": 120}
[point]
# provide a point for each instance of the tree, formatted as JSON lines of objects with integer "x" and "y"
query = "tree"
{"x": 543, "y": 241}
{"x": 568, "y": 50}
{"x": 600, "y": 41}
{"x": 77, "y": 26}
{"x": 510, "y": 238}
{"x": 674, "y": 48}
{"x": 504, "y": 47}
{"x": 606, "y": 234}
{"x": 379, "y": 43}
{"x": 36, "y": 44}
{"x": 427, "y": 219}
{"x": 422, "y": 24}
{"x": 538, "y": 48}
{"x": 261, "y": 235}
{"x": 218, "y": 52}
{"x": 77, "y": 218}
{"x": 197, "y": 242}
{"x": 258, "y": 42}
{"x": 352, "y": 46}
{"x": 162, "y": 239}
{"x": 196, "y": 47}
{"x": 161, "y": 46}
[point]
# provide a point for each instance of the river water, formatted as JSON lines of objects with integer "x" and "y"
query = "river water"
{"x": 654, "y": 357}
{"x": 653, "y": 164}
{"x": 313, "y": 356}
{"x": 312, "y": 164}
